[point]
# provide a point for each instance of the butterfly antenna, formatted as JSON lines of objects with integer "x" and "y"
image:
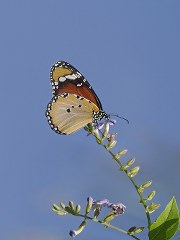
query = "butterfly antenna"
{"x": 116, "y": 115}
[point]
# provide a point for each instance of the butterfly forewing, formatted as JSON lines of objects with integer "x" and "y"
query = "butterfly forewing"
{"x": 68, "y": 113}
{"x": 65, "y": 78}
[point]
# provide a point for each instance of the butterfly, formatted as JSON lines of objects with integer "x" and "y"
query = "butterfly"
{"x": 74, "y": 103}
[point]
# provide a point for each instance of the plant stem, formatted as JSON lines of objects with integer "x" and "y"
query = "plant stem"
{"x": 131, "y": 179}
{"x": 108, "y": 225}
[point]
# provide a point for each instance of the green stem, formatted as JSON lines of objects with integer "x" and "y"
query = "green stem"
{"x": 131, "y": 179}
{"x": 107, "y": 225}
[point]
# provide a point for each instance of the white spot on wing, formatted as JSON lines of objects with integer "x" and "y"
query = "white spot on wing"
{"x": 78, "y": 75}
{"x": 72, "y": 77}
{"x": 62, "y": 79}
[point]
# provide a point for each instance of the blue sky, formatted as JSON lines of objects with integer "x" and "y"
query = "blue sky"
{"x": 130, "y": 53}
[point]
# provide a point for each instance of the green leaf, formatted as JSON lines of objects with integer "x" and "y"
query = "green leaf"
{"x": 166, "y": 224}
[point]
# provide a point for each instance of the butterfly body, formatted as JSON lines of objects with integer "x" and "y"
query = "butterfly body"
{"x": 74, "y": 103}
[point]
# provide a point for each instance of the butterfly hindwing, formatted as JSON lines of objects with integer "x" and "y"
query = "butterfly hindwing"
{"x": 68, "y": 113}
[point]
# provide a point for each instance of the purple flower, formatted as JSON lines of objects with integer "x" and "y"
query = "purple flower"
{"x": 118, "y": 208}
{"x": 100, "y": 125}
{"x": 101, "y": 203}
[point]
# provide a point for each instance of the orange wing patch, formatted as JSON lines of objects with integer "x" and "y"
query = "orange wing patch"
{"x": 81, "y": 91}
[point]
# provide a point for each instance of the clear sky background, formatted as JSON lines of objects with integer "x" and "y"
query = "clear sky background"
{"x": 129, "y": 50}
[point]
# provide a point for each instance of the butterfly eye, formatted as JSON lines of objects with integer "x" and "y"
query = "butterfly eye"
{"x": 74, "y": 103}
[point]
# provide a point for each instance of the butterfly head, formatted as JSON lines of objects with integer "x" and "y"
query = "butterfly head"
{"x": 98, "y": 116}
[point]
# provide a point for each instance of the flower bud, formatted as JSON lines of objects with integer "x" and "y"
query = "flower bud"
{"x": 97, "y": 212}
{"x": 141, "y": 189}
{"x": 152, "y": 207}
{"x": 58, "y": 210}
{"x": 131, "y": 230}
{"x": 130, "y": 162}
{"x": 138, "y": 230}
{"x": 89, "y": 204}
{"x": 71, "y": 205}
{"x": 133, "y": 172}
{"x": 62, "y": 205}
{"x": 144, "y": 185}
{"x": 81, "y": 227}
{"x": 120, "y": 153}
{"x": 69, "y": 210}
{"x": 111, "y": 144}
{"x": 111, "y": 137}
{"x": 97, "y": 136}
{"x": 78, "y": 209}
{"x": 135, "y": 230}
{"x": 151, "y": 195}
{"x": 106, "y": 131}
{"x": 56, "y": 207}
{"x": 147, "y": 184}
{"x": 109, "y": 217}
{"x": 74, "y": 233}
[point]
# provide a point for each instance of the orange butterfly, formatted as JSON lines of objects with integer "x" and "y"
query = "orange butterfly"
{"x": 74, "y": 103}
